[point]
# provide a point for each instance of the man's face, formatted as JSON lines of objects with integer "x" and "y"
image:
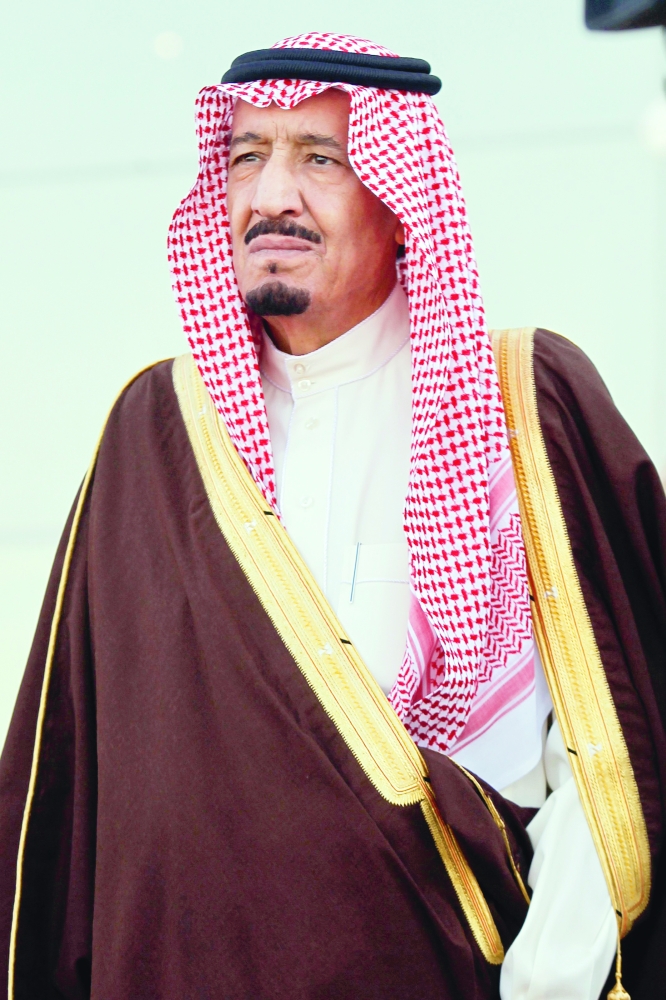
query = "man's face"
{"x": 308, "y": 236}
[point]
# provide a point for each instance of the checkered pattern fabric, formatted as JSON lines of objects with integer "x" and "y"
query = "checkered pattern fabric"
{"x": 470, "y": 611}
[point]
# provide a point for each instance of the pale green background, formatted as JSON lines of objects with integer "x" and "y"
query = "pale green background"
{"x": 566, "y": 196}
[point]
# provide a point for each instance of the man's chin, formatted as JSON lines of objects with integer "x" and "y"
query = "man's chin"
{"x": 275, "y": 298}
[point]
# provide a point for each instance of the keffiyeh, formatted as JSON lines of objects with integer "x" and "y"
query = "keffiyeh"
{"x": 469, "y": 657}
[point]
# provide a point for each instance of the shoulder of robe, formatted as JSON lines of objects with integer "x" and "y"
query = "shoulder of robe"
{"x": 571, "y": 391}
{"x": 144, "y": 412}
{"x": 143, "y": 398}
{"x": 145, "y": 387}
{"x": 560, "y": 359}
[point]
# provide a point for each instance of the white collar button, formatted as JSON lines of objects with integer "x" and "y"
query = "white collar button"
{"x": 354, "y": 355}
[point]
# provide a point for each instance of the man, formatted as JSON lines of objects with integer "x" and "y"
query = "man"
{"x": 300, "y": 552}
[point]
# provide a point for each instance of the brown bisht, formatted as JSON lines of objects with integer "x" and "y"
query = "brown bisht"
{"x": 594, "y": 522}
{"x": 204, "y": 794}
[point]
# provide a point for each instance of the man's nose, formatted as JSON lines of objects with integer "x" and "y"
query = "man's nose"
{"x": 277, "y": 192}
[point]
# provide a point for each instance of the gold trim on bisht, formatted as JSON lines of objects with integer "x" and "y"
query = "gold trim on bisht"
{"x": 48, "y": 666}
{"x": 576, "y": 677}
{"x": 315, "y": 639}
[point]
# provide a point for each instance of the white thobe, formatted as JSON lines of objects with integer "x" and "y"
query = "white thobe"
{"x": 340, "y": 426}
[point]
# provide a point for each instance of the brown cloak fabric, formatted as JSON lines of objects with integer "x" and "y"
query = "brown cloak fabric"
{"x": 199, "y": 828}
{"x": 615, "y": 512}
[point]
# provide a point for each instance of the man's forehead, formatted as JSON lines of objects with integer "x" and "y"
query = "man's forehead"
{"x": 323, "y": 116}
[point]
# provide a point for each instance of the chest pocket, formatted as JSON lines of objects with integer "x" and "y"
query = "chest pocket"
{"x": 373, "y": 605}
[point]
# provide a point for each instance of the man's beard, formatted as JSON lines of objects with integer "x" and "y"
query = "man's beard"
{"x": 274, "y": 298}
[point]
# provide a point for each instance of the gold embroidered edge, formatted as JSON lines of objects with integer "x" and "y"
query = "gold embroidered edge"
{"x": 501, "y": 826}
{"x": 50, "y": 653}
{"x": 317, "y": 643}
{"x": 467, "y": 889}
{"x": 572, "y": 663}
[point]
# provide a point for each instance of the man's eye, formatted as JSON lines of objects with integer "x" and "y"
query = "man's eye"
{"x": 320, "y": 160}
{"x": 246, "y": 158}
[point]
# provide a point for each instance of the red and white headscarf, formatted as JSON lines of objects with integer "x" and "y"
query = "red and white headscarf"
{"x": 470, "y": 654}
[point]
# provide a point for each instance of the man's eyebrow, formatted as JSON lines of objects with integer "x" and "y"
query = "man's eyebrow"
{"x": 304, "y": 139}
{"x": 314, "y": 139}
{"x": 244, "y": 137}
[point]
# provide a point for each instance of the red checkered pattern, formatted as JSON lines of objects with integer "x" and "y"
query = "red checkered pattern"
{"x": 473, "y": 593}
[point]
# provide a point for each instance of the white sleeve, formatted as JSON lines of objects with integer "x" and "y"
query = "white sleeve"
{"x": 567, "y": 944}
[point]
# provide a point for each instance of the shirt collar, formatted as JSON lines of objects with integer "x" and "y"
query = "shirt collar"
{"x": 355, "y": 355}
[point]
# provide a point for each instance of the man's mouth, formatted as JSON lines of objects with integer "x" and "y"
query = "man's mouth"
{"x": 281, "y": 238}
{"x": 278, "y": 245}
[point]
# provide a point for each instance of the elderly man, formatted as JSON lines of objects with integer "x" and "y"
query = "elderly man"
{"x": 295, "y": 724}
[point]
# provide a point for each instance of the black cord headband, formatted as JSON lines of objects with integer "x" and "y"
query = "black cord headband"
{"x": 330, "y": 66}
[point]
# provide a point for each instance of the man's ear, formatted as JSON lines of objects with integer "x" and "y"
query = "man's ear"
{"x": 400, "y": 240}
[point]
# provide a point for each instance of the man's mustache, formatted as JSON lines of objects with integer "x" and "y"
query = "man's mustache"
{"x": 282, "y": 227}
